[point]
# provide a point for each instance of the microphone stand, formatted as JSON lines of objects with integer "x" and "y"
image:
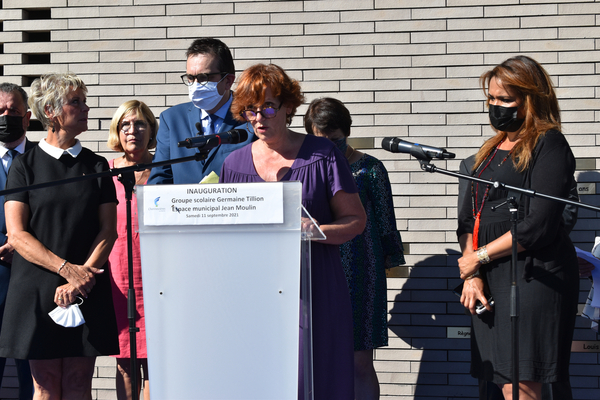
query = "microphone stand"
{"x": 127, "y": 178}
{"x": 128, "y": 181}
{"x": 424, "y": 159}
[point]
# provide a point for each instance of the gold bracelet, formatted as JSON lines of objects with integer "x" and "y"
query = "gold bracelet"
{"x": 483, "y": 256}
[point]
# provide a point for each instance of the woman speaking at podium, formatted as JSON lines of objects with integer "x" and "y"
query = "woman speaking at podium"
{"x": 267, "y": 98}
{"x": 527, "y": 151}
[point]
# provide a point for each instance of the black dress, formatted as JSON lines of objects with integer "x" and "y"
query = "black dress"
{"x": 547, "y": 271}
{"x": 64, "y": 219}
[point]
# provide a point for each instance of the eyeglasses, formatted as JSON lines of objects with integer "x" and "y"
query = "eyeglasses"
{"x": 266, "y": 112}
{"x": 202, "y": 79}
{"x": 138, "y": 126}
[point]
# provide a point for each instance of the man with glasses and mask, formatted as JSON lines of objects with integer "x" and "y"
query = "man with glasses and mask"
{"x": 210, "y": 73}
{"x": 14, "y": 121}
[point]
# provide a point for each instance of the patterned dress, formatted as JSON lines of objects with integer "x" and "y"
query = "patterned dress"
{"x": 366, "y": 257}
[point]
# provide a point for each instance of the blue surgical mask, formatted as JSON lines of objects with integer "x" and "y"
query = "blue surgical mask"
{"x": 205, "y": 97}
{"x": 341, "y": 144}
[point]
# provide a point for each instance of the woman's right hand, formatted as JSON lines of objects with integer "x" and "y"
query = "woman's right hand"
{"x": 473, "y": 291}
{"x": 585, "y": 268}
{"x": 65, "y": 295}
{"x": 468, "y": 264}
{"x": 81, "y": 277}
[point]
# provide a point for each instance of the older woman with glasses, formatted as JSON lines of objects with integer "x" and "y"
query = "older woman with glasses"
{"x": 62, "y": 236}
{"x": 268, "y": 98}
{"x": 133, "y": 132}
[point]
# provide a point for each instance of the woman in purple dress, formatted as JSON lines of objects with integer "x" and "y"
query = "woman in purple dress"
{"x": 267, "y": 98}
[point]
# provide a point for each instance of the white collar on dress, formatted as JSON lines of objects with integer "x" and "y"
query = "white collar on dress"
{"x": 55, "y": 152}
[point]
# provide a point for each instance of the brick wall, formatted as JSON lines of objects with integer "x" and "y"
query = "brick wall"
{"x": 406, "y": 68}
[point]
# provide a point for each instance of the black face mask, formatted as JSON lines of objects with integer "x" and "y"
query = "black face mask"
{"x": 505, "y": 118}
{"x": 11, "y": 128}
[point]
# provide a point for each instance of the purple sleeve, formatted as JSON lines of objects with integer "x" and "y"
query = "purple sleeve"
{"x": 339, "y": 174}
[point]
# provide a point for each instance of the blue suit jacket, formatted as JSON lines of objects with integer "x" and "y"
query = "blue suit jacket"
{"x": 28, "y": 145}
{"x": 23, "y": 372}
{"x": 4, "y": 270}
{"x": 179, "y": 123}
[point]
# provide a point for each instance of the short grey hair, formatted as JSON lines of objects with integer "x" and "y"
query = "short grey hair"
{"x": 51, "y": 91}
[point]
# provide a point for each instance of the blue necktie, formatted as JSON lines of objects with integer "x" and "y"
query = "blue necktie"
{"x": 212, "y": 123}
{"x": 13, "y": 154}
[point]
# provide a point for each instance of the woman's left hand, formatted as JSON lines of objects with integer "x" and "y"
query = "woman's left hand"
{"x": 309, "y": 227}
{"x": 473, "y": 291}
{"x": 468, "y": 264}
{"x": 349, "y": 218}
{"x": 81, "y": 277}
{"x": 65, "y": 295}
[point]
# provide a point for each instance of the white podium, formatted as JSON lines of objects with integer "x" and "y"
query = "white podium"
{"x": 222, "y": 290}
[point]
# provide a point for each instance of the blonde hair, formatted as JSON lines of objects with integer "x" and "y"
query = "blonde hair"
{"x": 49, "y": 92}
{"x": 142, "y": 111}
{"x": 530, "y": 82}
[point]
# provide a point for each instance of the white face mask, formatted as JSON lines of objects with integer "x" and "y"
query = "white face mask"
{"x": 69, "y": 317}
{"x": 205, "y": 97}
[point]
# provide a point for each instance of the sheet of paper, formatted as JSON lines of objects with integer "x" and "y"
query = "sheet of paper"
{"x": 586, "y": 255}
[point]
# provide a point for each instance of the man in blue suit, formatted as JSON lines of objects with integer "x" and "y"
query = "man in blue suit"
{"x": 210, "y": 73}
{"x": 14, "y": 121}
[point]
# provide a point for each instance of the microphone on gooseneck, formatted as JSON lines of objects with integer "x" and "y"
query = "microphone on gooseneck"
{"x": 419, "y": 151}
{"x": 207, "y": 142}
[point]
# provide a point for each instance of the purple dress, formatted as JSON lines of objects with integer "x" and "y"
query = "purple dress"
{"x": 323, "y": 171}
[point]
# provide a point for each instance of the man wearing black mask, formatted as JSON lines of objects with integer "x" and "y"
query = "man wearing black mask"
{"x": 14, "y": 121}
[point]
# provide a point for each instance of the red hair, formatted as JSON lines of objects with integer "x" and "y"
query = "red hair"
{"x": 255, "y": 80}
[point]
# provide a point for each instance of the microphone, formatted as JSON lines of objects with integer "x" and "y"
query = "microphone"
{"x": 208, "y": 142}
{"x": 421, "y": 152}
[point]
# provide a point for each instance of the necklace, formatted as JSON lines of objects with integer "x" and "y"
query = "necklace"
{"x": 475, "y": 192}
{"x": 349, "y": 156}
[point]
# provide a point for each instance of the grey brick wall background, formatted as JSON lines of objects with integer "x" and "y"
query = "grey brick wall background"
{"x": 406, "y": 68}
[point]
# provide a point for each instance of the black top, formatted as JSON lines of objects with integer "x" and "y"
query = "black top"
{"x": 65, "y": 219}
{"x": 541, "y": 230}
{"x": 547, "y": 273}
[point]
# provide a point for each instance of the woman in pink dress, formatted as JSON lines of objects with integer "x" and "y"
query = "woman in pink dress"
{"x": 133, "y": 132}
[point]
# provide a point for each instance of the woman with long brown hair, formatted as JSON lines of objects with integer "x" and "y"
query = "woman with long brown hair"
{"x": 527, "y": 151}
